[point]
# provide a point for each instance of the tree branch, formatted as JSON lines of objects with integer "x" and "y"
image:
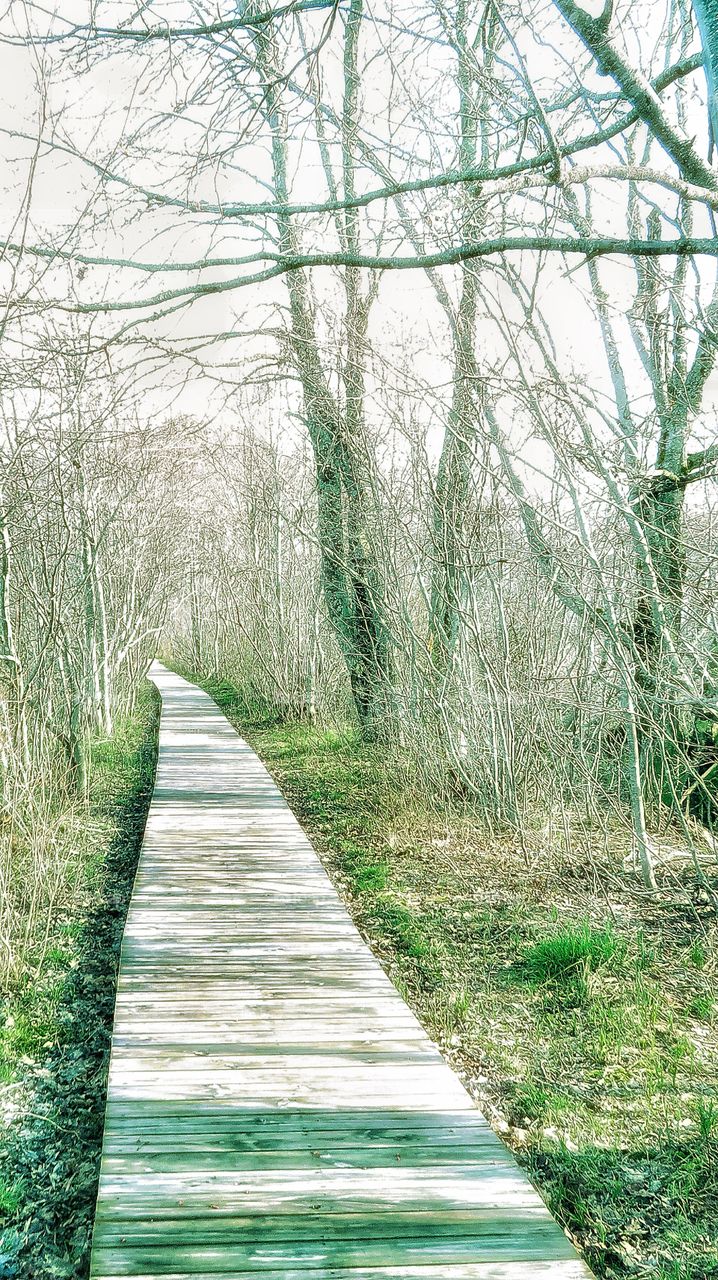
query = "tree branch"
{"x": 590, "y": 247}
{"x": 392, "y": 190}
{"x": 702, "y": 464}
{"x": 638, "y": 91}
{"x": 163, "y": 31}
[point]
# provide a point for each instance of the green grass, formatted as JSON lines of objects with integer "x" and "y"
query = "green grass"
{"x": 654, "y": 1207}
{"x": 531, "y": 1102}
{"x": 702, "y": 1006}
{"x": 30, "y": 1018}
{"x": 55, "y": 1031}
{"x": 576, "y": 949}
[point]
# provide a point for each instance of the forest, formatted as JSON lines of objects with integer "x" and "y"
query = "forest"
{"x": 361, "y": 362}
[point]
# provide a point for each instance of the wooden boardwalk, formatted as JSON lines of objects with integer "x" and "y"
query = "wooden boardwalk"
{"x": 274, "y": 1109}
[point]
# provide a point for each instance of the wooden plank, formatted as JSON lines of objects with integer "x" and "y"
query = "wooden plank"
{"x": 337, "y": 1191}
{"x": 217, "y": 1026}
{"x": 261, "y": 1046}
{"x": 274, "y": 1109}
{"x": 308, "y": 1089}
{"x": 178, "y": 1060}
{"x": 569, "y": 1269}
{"x": 513, "y": 1240}
{"x": 463, "y": 1230}
{"x": 208, "y": 1115}
{"x": 193, "y": 1158}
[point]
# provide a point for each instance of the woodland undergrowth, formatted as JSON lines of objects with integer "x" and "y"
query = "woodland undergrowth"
{"x": 580, "y": 1012}
{"x": 56, "y": 1016}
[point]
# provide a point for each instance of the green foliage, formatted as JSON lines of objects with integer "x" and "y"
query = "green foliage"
{"x": 570, "y": 956}
{"x": 533, "y": 1101}
{"x": 707, "y": 1117}
{"x": 401, "y": 926}
{"x": 371, "y": 877}
{"x": 30, "y": 1022}
{"x": 11, "y": 1198}
{"x": 702, "y": 1006}
{"x": 448, "y": 1012}
{"x": 645, "y": 953}
{"x": 659, "y": 1204}
{"x": 55, "y": 1035}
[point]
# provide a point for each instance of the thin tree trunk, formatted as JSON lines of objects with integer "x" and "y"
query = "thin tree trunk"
{"x": 453, "y": 480}
{"x": 350, "y": 576}
{"x": 10, "y": 661}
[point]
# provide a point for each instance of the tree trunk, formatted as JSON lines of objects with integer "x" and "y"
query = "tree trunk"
{"x": 659, "y": 608}
{"x": 453, "y": 486}
{"x": 706, "y": 12}
{"x": 350, "y": 576}
{"x": 10, "y": 663}
{"x": 452, "y": 571}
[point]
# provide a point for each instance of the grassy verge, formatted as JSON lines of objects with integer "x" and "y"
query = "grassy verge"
{"x": 582, "y": 1018}
{"x": 55, "y": 1033}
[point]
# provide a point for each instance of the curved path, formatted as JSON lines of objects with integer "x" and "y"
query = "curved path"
{"x": 275, "y": 1112}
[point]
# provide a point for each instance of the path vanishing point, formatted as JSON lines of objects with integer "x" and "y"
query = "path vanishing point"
{"x": 275, "y": 1111}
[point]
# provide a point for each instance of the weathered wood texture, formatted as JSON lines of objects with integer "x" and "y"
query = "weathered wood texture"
{"x": 274, "y": 1108}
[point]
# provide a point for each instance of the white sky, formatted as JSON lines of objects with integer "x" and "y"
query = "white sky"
{"x": 97, "y": 109}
